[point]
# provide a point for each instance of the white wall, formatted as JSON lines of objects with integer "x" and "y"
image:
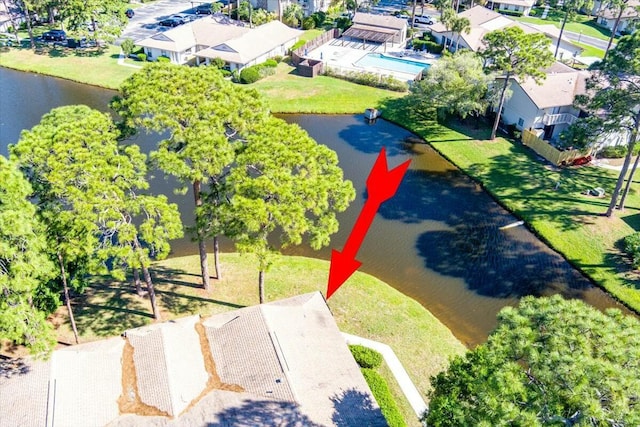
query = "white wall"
{"x": 520, "y": 106}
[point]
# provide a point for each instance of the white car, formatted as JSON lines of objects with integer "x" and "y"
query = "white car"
{"x": 424, "y": 19}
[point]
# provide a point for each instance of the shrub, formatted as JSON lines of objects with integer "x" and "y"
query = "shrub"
{"x": 128, "y": 46}
{"x": 368, "y": 79}
{"x": 225, "y": 73}
{"x": 272, "y": 63}
{"x": 250, "y": 74}
{"x": 381, "y": 392}
{"x": 319, "y": 18}
{"x": 510, "y": 12}
{"x": 218, "y": 63}
{"x": 163, "y": 59}
{"x": 278, "y": 58}
{"x": 366, "y": 357}
{"x": 614, "y": 151}
{"x": 308, "y": 23}
{"x": 142, "y": 57}
{"x": 632, "y": 248}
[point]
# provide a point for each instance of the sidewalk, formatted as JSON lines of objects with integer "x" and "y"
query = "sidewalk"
{"x": 408, "y": 388}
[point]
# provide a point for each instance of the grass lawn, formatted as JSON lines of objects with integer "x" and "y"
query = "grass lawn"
{"x": 568, "y": 220}
{"x": 590, "y": 50}
{"x": 90, "y": 66}
{"x": 287, "y": 92}
{"x": 364, "y": 306}
{"x": 583, "y": 24}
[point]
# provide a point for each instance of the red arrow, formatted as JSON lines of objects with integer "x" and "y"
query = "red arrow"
{"x": 382, "y": 184}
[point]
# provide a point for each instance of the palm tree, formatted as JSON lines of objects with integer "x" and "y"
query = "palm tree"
{"x": 460, "y": 24}
{"x": 447, "y": 17}
{"x": 620, "y": 6}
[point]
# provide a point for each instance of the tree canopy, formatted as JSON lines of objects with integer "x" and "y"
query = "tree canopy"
{"x": 287, "y": 185}
{"x": 206, "y": 118}
{"x": 456, "y": 84}
{"x": 511, "y": 52}
{"x": 550, "y": 361}
{"x": 613, "y": 101}
{"x": 24, "y": 264}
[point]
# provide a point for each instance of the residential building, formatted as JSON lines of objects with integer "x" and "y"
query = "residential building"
{"x": 308, "y": 6}
{"x": 377, "y": 28}
{"x": 217, "y": 36}
{"x": 606, "y": 16}
{"x": 484, "y": 20}
{"x": 281, "y": 363}
{"x": 522, "y": 7}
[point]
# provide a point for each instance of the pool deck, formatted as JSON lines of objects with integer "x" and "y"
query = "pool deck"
{"x": 344, "y": 54}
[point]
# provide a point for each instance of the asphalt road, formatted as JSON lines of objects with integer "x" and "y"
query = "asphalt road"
{"x": 145, "y": 21}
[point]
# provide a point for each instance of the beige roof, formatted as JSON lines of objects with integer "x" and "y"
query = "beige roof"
{"x": 252, "y": 44}
{"x": 629, "y": 12}
{"x": 206, "y": 31}
{"x": 282, "y": 363}
{"x": 559, "y": 89}
{"x": 383, "y": 21}
{"x": 525, "y": 3}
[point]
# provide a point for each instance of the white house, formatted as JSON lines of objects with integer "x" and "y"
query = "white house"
{"x": 522, "y": 6}
{"x": 629, "y": 18}
{"x": 547, "y": 108}
{"x": 251, "y": 47}
{"x": 308, "y": 6}
{"x": 218, "y": 37}
{"x": 484, "y": 21}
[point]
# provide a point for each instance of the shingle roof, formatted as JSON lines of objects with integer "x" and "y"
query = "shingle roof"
{"x": 559, "y": 88}
{"x": 252, "y": 44}
{"x": 382, "y": 21}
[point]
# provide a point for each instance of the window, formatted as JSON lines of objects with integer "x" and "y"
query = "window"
{"x": 520, "y": 122}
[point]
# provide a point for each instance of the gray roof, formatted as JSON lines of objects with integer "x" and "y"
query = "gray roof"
{"x": 282, "y": 363}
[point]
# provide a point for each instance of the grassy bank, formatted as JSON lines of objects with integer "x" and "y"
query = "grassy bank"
{"x": 286, "y": 92}
{"x": 570, "y": 221}
{"x": 364, "y": 306}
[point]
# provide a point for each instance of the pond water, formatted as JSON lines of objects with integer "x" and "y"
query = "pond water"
{"x": 438, "y": 240}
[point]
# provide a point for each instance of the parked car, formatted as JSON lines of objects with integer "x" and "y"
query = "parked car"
{"x": 171, "y": 22}
{"x": 130, "y": 13}
{"x": 184, "y": 17}
{"x": 54, "y": 35}
{"x": 203, "y": 9}
{"x": 424, "y": 19}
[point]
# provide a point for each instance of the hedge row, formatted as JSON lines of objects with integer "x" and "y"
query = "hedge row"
{"x": 256, "y": 72}
{"x": 381, "y": 392}
{"x": 366, "y": 357}
{"x": 368, "y": 79}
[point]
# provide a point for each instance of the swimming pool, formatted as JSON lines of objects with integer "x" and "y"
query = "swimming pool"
{"x": 393, "y": 64}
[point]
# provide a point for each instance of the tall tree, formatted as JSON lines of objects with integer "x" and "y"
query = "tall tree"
{"x": 460, "y": 25}
{"x": 288, "y": 186}
{"x": 618, "y": 7}
{"x": 549, "y": 362}
{"x": 513, "y": 53}
{"x": 205, "y": 117}
{"x": 613, "y": 97}
{"x": 24, "y": 264}
{"x": 570, "y": 8}
{"x": 107, "y": 18}
{"x": 447, "y": 17}
{"x": 293, "y": 15}
{"x": 455, "y": 84}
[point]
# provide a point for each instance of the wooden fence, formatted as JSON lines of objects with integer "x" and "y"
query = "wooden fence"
{"x": 550, "y": 152}
{"x": 298, "y": 55}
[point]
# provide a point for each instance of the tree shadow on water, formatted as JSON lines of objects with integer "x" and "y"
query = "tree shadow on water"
{"x": 493, "y": 262}
{"x": 371, "y": 138}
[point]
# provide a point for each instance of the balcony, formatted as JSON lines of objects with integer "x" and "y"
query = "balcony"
{"x": 556, "y": 119}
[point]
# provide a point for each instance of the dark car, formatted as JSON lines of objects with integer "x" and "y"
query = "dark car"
{"x": 203, "y": 9}
{"x": 171, "y": 22}
{"x": 129, "y": 13}
{"x": 54, "y": 35}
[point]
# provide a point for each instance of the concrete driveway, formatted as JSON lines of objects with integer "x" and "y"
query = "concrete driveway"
{"x": 145, "y": 21}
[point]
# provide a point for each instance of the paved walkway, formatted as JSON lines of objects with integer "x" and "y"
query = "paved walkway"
{"x": 406, "y": 385}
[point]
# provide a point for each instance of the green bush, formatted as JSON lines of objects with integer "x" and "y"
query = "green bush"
{"x": 278, "y": 58}
{"x": 127, "y": 46}
{"x": 250, "y": 74}
{"x": 368, "y": 79}
{"x": 381, "y": 392}
{"x": 218, "y": 63}
{"x": 163, "y": 59}
{"x": 319, "y": 18}
{"x": 142, "y": 57}
{"x": 308, "y": 23}
{"x": 510, "y": 12}
{"x": 270, "y": 63}
{"x": 632, "y": 248}
{"x": 614, "y": 152}
{"x": 366, "y": 357}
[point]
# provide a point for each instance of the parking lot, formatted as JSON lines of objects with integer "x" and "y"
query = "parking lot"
{"x": 145, "y": 21}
